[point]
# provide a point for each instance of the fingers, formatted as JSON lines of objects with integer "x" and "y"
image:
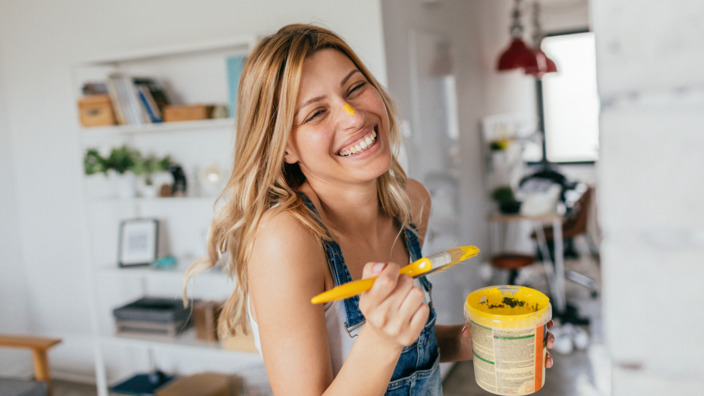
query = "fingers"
{"x": 465, "y": 330}
{"x": 388, "y": 281}
{"x": 550, "y": 344}
{"x": 372, "y": 269}
{"x": 551, "y": 340}
{"x": 393, "y": 305}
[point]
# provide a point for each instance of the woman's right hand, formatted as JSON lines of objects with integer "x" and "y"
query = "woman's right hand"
{"x": 394, "y": 308}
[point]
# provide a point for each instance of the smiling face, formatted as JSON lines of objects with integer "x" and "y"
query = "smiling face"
{"x": 341, "y": 125}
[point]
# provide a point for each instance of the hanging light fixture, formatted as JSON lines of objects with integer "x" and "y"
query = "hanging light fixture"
{"x": 518, "y": 54}
{"x": 544, "y": 64}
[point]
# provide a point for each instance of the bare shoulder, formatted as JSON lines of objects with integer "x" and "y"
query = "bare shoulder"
{"x": 282, "y": 244}
{"x": 418, "y": 194}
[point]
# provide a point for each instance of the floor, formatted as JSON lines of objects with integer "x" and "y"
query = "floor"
{"x": 581, "y": 372}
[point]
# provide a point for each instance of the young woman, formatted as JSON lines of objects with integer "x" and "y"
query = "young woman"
{"x": 316, "y": 199}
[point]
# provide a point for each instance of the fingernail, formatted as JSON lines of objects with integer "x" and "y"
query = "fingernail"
{"x": 378, "y": 267}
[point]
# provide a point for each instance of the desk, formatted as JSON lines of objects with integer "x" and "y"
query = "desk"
{"x": 556, "y": 278}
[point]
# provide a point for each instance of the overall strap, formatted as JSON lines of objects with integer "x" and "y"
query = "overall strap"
{"x": 414, "y": 250}
{"x": 338, "y": 269}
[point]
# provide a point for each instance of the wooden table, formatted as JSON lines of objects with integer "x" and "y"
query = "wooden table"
{"x": 39, "y": 347}
{"x": 556, "y": 277}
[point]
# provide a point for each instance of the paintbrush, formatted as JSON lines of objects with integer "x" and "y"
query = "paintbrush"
{"x": 424, "y": 266}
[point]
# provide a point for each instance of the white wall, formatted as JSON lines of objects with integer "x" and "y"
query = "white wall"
{"x": 39, "y": 41}
{"x": 651, "y": 86}
{"x": 13, "y": 295}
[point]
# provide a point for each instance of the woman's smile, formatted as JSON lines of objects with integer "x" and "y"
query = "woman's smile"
{"x": 359, "y": 145}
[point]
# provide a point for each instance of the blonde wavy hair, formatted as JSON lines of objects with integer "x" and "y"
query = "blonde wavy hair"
{"x": 260, "y": 179}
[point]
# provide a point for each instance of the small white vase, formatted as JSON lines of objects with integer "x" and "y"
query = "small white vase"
{"x": 125, "y": 184}
{"x": 148, "y": 190}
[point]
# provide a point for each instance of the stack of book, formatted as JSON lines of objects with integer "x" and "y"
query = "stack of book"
{"x": 153, "y": 315}
{"x": 136, "y": 100}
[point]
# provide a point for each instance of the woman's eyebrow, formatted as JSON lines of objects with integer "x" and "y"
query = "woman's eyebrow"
{"x": 348, "y": 76}
{"x": 307, "y": 102}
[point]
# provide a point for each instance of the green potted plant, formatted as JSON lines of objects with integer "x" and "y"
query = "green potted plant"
{"x": 506, "y": 199}
{"x": 94, "y": 163}
{"x": 117, "y": 167}
{"x": 123, "y": 159}
{"x": 147, "y": 167}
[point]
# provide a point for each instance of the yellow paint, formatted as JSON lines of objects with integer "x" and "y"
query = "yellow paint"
{"x": 492, "y": 306}
{"x": 349, "y": 109}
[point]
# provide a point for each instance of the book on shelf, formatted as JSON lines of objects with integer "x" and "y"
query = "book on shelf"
{"x": 115, "y": 100}
{"x": 136, "y": 100}
{"x": 152, "y": 96}
{"x": 155, "y": 90}
{"x": 149, "y": 105}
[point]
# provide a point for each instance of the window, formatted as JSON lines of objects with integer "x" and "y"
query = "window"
{"x": 569, "y": 99}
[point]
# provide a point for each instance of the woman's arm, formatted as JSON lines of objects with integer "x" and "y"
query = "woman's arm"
{"x": 454, "y": 342}
{"x": 287, "y": 269}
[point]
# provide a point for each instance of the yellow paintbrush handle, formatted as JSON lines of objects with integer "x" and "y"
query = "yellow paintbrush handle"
{"x": 344, "y": 291}
{"x": 350, "y": 289}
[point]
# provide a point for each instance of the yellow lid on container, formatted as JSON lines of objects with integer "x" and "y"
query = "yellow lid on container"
{"x": 508, "y": 306}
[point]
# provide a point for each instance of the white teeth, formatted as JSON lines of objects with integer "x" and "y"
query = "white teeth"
{"x": 361, "y": 146}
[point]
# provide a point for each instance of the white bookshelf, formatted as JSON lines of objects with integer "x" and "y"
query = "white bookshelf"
{"x": 196, "y": 74}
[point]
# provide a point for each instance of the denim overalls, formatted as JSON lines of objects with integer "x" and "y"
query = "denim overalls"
{"x": 417, "y": 372}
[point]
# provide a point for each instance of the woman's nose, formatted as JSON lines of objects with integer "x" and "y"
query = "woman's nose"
{"x": 351, "y": 117}
{"x": 348, "y": 109}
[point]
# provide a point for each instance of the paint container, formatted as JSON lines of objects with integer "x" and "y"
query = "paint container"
{"x": 509, "y": 337}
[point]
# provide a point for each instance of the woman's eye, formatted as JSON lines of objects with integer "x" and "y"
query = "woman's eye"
{"x": 356, "y": 88}
{"x": 315, "y": 115}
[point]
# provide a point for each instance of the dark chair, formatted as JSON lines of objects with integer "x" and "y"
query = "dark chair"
{"x": 41, "y": 386}
{"x": 575, "y": 225}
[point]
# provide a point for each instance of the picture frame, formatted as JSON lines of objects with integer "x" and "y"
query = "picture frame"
{"x": 138, "y": 242}
{"x": 234, "y": 65}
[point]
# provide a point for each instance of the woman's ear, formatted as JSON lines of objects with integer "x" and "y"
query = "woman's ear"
{"x": 290, "y": 156}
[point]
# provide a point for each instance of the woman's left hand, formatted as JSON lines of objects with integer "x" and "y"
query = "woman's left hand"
{"x": 551, "y": 342}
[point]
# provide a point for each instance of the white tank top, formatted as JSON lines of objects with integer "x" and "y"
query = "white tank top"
{"x": 339, "y": 339}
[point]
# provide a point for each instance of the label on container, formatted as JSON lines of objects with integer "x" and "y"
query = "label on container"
{"x": 509, "y": 361}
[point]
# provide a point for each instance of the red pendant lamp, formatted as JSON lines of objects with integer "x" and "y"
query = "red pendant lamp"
{"x": 545, "y": 64}
{"x": 518, "y": 55}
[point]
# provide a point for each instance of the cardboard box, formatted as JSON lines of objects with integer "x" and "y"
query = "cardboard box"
{"x": 96, "y": 110}
{"x": 203, "y": 384}
{"x": 240, "y": 342}
{"x": 205, "y": 319}
{"x": 174, "y": 113}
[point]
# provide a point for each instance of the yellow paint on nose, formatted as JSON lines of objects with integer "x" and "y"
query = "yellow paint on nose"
{"x": 349, "y": 109}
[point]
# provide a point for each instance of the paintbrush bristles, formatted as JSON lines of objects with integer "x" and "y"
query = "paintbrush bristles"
{"x": 461, "y": 253}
